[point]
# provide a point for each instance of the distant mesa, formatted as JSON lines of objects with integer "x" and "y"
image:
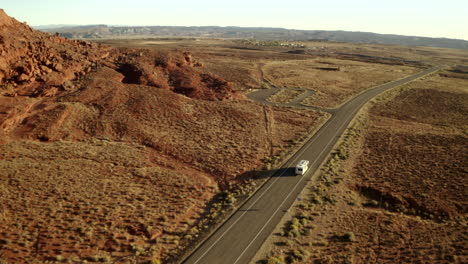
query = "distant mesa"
{"x": 103, "y": 31}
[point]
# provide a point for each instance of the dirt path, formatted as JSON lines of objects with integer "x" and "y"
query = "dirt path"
{"x": 262, "y": 95}
{"x": 268, "y": 127}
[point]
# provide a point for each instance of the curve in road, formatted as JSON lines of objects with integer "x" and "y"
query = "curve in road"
{"x": 239, "y": 238}
{"x": 262, "y": 96}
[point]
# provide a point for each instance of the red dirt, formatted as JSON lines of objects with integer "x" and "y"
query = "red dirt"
{"x": 39, "y": 64}
{"x": 33, "y": 63}
{"x": 431, "y": 160}
{"x": 36, "y": 65}
{"x": 116, "y": 153}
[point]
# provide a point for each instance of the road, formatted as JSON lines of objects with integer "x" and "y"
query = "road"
{"x": 239, "y": 238}
{"x": 262, "y": 95}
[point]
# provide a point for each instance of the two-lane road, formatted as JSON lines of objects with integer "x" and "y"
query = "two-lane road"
{"x": 239, "y": 238}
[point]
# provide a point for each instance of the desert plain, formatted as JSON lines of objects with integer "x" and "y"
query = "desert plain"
{"x": 130, "y": 150}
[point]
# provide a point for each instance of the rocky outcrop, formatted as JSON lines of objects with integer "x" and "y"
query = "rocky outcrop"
{"x": 33, "y": 63}
{"x": 38, "y": 64}
{"x": 50, "y": 68}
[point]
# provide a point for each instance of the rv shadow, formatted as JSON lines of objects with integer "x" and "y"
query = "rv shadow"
{"x": 262, "y": 174}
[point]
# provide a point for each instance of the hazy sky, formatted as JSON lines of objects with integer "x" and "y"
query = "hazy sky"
{"x": 432, "y": 18}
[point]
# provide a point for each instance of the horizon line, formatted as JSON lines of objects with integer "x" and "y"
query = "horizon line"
{"x": 292, "y": 29}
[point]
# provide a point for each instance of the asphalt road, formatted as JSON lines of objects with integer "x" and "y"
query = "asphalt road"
{"x": 262, "y": 95}
{"x": 239, "y": 238}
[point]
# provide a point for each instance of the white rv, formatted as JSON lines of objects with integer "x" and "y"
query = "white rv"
{"x": 302, "y": 167}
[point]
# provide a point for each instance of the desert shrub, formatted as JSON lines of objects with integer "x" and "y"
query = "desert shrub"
{"x": 105, "y": 259}
{"x": 349, "y": 237}
{"x": 316, "y": 199}
{"x": 342, "y": 153}
{"x": 93, "y": 258}
{"x": 230, "y": 199}
{"x": 306, "y": 231}
{"x": 194, "y": 230}
{"x": 297, "y": 226}
{"x": 320, "y": 243}
{"x": 327, "y": 260}
{"x": 304, "y": 215}
{"x": 274, "y": 260}
{"x": 371, "y": 203}
{"x": 99, "y": 258}
{"x": 297, "y": 255}
{"x": 330, "y": 199}
{"x": 138, "y": 250}
{"x": 293, "y": 233}
{"x": 280, "y": 243}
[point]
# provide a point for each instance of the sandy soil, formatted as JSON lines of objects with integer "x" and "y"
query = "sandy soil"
{"x": 285, "y": 96}
{"x": 393, "y": 192}
{"x": 117, "y": 154}
{"x": 335, "y": 81}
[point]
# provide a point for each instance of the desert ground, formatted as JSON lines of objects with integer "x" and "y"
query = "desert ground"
{"x": 119, "y": 154}
{"x": 125, "y": 151}
{"x": 334, "y": 71}
{"x": 395, "y": 189}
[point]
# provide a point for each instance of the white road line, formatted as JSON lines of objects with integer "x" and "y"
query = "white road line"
{"x": 265, "y": 191}
{"x": 292, "y": 190}
{"x": 295, "y": 186}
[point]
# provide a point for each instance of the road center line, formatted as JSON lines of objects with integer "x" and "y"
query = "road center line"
{"x": 265, "y": 191}
{"x": 297, "y": 155}
{"x": 348, "y": 119}
{"x": 293, "y": 189}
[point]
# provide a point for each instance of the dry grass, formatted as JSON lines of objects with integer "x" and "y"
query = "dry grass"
{"x": 242, "y": 73}
{"x": 426, "y": 55}
{"x": 397, "y": 186}
{"x": 285, "y": 96}
{"x": 127, "y": 172}
{"x": 144, "y": 200}
{"x": 362, "y": 67}
{"x": 429, "y": 156}
{"x": 438, "y": 101}
{"x": 335, "y": 81}
{"x": 139, "y": 165}
{"x": 83, "y": 199}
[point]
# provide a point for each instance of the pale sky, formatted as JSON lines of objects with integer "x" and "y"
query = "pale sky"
{"x": 429, "y": 18}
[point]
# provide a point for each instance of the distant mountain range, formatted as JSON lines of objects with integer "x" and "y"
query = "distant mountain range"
{"x": 49, "y": 27}
{"x": 104, "y": 31}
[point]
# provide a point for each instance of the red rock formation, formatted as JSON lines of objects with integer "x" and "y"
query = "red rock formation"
{"x": 37, "y": 64}
{"x": 49, "y": 68}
